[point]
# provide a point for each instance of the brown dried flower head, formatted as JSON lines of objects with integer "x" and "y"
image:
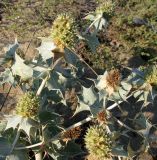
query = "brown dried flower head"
{"x": 109, "y": 81}
{"x": 101, "y": 117}
{"x": 73, "y": 133}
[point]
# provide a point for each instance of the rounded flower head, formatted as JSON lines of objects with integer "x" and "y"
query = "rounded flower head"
{"x": 28, "y": 106}
{"x": 98, "y": 142}
{"x": 109, "y": 81}
{"x": 151, "y": 75}
{"x": 64, "y": 31}
{"x": 106, "y": 7}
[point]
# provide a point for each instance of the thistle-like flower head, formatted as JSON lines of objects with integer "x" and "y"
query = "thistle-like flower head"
{"x": 64, "y": 31}
{"x": 71, "y": 134}
{"x": 102, "y": 117}
{"x": 106, "y": 7}
{"x": 28, "y": 106}
{"x": 98, "y": 142}
{"x": 109, "y": 81}
{"x": 151, "y": 75}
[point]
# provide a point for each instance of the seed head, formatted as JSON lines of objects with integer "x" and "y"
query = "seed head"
{"x": 106, "y": 7}
{"x": 98, "y": 142}
{"x": 64, "y": 31}
{"x": 28, "y": 106}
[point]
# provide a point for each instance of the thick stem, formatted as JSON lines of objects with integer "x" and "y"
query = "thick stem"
{"x": 38, "y": 156}
{"x": 42, "y": 86}
{"x": 116, "y": 104}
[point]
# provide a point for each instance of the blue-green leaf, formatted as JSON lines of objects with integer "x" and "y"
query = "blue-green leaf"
{"x": 5, "y": 147}
{"x": 28, "y": 125}
{"x": 119, "y": 151}
{"x": 12, "y": 49}
{"x": 21, "y": 69}
{"x": 45, "y": 50}
{"x": 93, "y": 42}
{"x": 6, "y": 77}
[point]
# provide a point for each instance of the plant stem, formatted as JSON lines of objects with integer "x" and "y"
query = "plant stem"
{"x": 42, "y": 86}
{"x": 15, "y": 140}
{"x": 116, "y": 104}
{"x": 38, "y": 156}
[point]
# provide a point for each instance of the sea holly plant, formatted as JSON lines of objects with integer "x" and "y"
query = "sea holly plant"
{"x": 101, "y": 15}
{"x": 61, "y": 93}
{"x": 97, "y": 20}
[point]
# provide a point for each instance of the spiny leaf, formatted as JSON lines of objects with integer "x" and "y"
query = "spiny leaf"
{"x": 146, "y": 131}
{"x": 12, "y": 49}
{"x": 25, "y": 124}
{"x": 119, "y": 150}
{"x": 97, "y": 107}
{"x": 140, "y": 121}
{"x": 29, "y": 126}
{"x": 82, "y": 107}
{"x": 45, "y": 50}
{"x": 6, "y": 77}
{"x": 40, "y": 72}
{"x": 21, "y": 69}
{"x": 70, "y": 57}
{"x": 12, "y": 121}
{"x": 93, "y": 42}
{"x": 56, "y": 81}
{"x": 122, "y": 92}
{"x": 5, "y": 147}
{"x": 89, "y": 101}
{"x": 88, "y": 96}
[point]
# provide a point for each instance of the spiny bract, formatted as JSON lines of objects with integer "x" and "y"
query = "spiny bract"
{"x": 110, "y": 81}
{"x": 64, "y": 31}
{"x": 28, "y": 106}
{"x": 106, "y": 7}
{"x": 98, "y": 142}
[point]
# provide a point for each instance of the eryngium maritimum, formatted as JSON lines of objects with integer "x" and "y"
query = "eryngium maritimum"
{"x": 64, "y": 31}
{"x": 28, "y": 106}
{"x": 98, "y": 142}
